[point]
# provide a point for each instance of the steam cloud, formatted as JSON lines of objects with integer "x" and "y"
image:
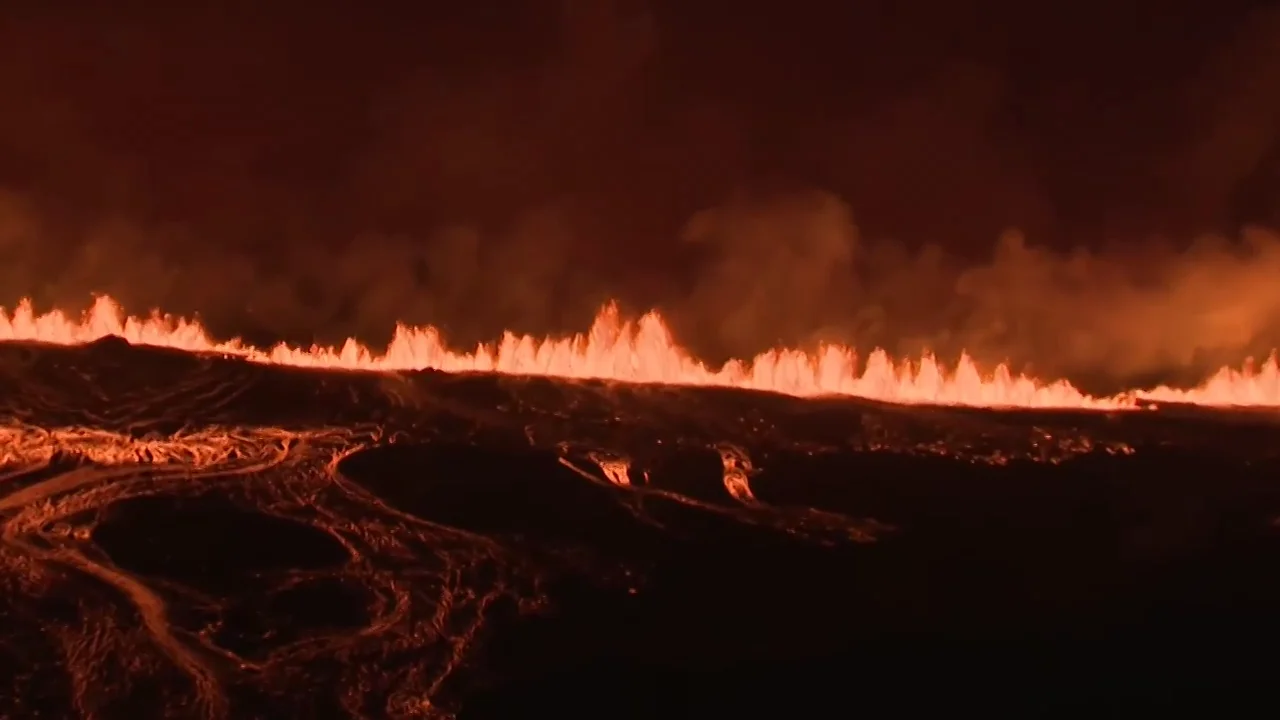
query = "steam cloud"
{"x": 524, "y": 199}
{"x": 793, "y": 272}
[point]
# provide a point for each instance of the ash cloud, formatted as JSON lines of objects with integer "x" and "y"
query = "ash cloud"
{"x": 783, "y": 180}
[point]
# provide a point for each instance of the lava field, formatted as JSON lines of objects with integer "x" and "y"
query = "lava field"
{"x": 195, "y": 535}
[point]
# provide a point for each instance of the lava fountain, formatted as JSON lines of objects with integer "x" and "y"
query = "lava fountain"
{"x": 644, "y": 351}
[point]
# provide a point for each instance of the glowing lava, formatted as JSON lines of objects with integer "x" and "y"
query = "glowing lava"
{"x": 645, "y": 352}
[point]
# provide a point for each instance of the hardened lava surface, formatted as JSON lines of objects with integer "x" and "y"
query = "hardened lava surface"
{"x": 197, "y": 536}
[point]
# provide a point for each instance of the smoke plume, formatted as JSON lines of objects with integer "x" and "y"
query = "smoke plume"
{"x": 763, "y": 180}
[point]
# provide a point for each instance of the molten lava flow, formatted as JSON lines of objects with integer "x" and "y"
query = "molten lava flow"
{"x": 24, "y": 445}
{"x": 644, "y": 352}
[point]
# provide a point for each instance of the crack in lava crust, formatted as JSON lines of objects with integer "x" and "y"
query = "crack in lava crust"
{"x": 61, "y": 489}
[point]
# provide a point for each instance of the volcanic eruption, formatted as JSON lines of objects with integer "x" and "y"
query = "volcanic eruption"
{"x": 292, "y": 485}
{"x": 634, "y": 358}
{"x": 645, "y": 352}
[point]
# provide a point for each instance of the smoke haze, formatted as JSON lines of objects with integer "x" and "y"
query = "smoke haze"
{"x": 871, "y": 178}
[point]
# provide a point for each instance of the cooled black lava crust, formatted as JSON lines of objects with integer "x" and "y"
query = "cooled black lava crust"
{"x": 189, "y": 536}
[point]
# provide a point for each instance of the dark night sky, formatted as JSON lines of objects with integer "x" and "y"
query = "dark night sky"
{"x": 763, "y": 172}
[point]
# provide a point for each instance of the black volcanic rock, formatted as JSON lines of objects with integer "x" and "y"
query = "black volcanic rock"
{"x": 108, "y": 344}
{"x": 199, "y": 531}
{"x": 208, "y": 542}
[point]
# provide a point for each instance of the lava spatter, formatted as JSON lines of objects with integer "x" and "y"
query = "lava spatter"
{"x": 642, "y": 352}
{"x": 645, "y": 352}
